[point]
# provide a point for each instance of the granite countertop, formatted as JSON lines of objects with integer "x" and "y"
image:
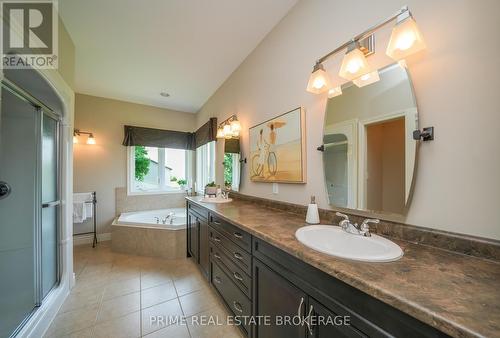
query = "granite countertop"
{"x": 458, "y": 294}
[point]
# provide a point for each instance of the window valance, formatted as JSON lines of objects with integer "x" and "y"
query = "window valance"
{"x": 150, "y": 137}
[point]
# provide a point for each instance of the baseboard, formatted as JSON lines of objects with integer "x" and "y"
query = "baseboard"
{"x": 87, "y": 239}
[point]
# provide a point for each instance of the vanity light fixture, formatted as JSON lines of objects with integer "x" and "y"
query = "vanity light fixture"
{"x": 229, "y": 128}
{"x": 354, "y": 64}
{"x": 78, "y": 132}
{"x": 227, "y": 131}
{"x": 367, "y": 79}
{"x": 319, "y": 81}
{"x": 405, "y": 40}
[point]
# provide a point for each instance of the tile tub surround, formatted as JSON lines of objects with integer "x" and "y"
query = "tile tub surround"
{"x": 126, "y": 203}
{"x": 115, "y": 295}
{"x": 464, "y": 244}
{"x": 455, "y": 293}
{"x": 153, "y": 242}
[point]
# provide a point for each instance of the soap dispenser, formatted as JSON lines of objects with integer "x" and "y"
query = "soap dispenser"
{"x": 312, "y": 216}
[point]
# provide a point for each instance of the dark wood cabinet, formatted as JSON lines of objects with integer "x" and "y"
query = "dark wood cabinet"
{"x": 192, "y": 235}
{"x": 255, "y": 278}
{"x": 324, "y": 323}
{"x": 204, "y": 247}
{"x": 282, "y": 302}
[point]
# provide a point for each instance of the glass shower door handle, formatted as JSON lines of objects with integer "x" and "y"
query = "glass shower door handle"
{"x": 5, "y": 190}
{"x": 51, "y": 204}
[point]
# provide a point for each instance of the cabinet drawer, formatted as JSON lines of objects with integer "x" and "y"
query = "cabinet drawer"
{"x": 237, "y": 275}
{"x": 240, "y": 257}
{"x": 202, "y": 212}
{"x": 235, "y": 299}
{"x": 241, "y": 238}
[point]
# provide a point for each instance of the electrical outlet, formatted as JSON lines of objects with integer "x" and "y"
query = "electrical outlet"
{"x": 275, "y": 188}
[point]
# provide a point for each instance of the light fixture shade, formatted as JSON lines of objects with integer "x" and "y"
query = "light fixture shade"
{"x": 405, "y": 40}
{"x": 220, "y": 133}
{"x": 227, "y": 131}
{"x": 334, "y": 91}
{"x": 235, "y": 126}
{"x": 319, "y": 81}
{"x": 91, "y": 139}
{"x": 75, "y": 139}
{"x": 354, "y": 65}
{"x": 367, "y": 79}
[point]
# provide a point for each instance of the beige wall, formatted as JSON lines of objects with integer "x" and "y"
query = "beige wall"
{"x": 456, "y": 84}
{"x": 103, "y": 167}
{"x": 66, "y": 55}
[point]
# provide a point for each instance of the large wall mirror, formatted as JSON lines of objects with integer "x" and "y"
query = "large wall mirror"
{"x": 369, "y": 152}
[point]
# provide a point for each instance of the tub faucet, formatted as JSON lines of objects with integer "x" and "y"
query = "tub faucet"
{"x": 157, "y": 219}
{"x": 353, "y": 228}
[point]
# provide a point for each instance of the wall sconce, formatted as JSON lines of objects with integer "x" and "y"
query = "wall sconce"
{"x": 319, "y": 80}
{"x": 78, "y": 132}
{"x": 405, "y": 40}
{"x": 354, "y": 64}
{"x": 229, "y": 128}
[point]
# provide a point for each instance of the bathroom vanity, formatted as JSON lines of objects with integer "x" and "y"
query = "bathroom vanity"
{"x": 249, "y": 254}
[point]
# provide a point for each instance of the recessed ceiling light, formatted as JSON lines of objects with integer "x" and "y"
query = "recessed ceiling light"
{"x": 164, "y": 94}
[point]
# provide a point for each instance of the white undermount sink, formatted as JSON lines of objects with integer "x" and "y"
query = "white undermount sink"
{"x": 334, "y": 241}
{"x": 215, "y": 200}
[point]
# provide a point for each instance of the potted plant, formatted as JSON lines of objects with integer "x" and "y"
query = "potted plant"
{"x": 211, "y": 189}
{"x": 182, "y": 183}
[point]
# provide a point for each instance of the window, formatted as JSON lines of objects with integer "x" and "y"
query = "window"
{"x": 205, "y": 165}
{"x": 156, "y": 170}
{"x": 232, "y": 171}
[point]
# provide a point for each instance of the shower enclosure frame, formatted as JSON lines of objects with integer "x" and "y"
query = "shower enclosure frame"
{"x": 41, "y": 112}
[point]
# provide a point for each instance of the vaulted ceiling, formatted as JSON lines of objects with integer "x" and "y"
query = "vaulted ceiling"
{"x": 132, "y": 50}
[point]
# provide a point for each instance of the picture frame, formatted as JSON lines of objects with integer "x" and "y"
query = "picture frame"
{"x": 278, "y": 149}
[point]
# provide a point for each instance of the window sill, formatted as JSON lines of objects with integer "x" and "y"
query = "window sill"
{"x": 161, "y": 192}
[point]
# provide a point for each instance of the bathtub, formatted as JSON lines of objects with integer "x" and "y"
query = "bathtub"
{"x": 155, "y": 219}
{"x": 150, "y": 233}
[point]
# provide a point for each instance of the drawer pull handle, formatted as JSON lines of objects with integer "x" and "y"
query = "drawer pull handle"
{"x": 299, "y": 311}
{"x": 216, "y": 255}
{"x": 217, "y": 280}
{"x": 238, "y": 276}
{"x": 217, "y": 239}
{"x": 237, "y": 306}
{"x": 238, "y": 235}
{"x": 216, "y": 223}
{"x": 238, "y": 256}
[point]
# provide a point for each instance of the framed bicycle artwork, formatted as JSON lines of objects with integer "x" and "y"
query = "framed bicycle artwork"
{"x": 278, "y": 149}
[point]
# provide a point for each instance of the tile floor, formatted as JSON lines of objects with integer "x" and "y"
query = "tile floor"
{"x": 118, "y": 295}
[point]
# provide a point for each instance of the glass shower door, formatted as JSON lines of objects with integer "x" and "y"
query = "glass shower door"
{"x": 50, "y": 203}
{"x": 19, "y": 202}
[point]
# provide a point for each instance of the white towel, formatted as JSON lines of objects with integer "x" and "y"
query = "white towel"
{"x": 79, "y": 214}
{"x": 82, "y": 210}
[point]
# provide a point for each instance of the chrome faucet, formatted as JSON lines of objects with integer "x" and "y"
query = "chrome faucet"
{"x": 353, "y": 228}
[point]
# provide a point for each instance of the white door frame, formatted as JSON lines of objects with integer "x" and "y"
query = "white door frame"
{"x": 411, "y": 124}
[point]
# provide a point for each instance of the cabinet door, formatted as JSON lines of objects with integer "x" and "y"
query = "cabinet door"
{"x": 324, "y": 323}
{"x": 193, "y": 236}
{"x": 204, "y": 246}
{"x": 276, "y": 297}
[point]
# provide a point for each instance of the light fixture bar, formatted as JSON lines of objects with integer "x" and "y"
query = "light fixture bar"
{"x": 366, "y": 33}
{"x": 228, "y": 120}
